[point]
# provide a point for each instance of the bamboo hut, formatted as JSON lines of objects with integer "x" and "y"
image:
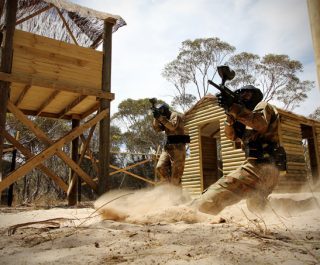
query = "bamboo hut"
{"x": 212, "y": 155}
{"x": 50, "y": 68}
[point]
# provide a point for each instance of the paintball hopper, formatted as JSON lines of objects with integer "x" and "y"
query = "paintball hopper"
{"x": 225, "y": 73}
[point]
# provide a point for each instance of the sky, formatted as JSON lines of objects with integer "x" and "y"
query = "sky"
{"x": 156, "y": 28}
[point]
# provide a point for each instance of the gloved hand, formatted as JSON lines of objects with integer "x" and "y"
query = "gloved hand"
{"x": 156, "y": 113}
{"x": 230, "y": 120}
{"x": 224, "y": 101}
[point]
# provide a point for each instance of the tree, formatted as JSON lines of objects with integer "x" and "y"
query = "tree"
{"x": 275, "y": 75}
{"x": 195, "y": 64}
{"x": 139, "y": 135}
{"x": 316, "y": 114}
{"x": 245, "y": 66}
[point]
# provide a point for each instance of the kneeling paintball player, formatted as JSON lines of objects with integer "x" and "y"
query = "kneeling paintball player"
{"x": 255, "y": 123}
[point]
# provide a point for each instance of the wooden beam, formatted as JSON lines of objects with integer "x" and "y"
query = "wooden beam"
{"x": 34, "y": 14}
{"x": 73, "y": 178}
{"x": 104, "y": 132}
{"x": 6, "y": 65}
{"x": 131, "y": 166}
{"x": 48, "y": 101}
{"x": 90, "y": 111}
{"x": 50, "y": 115}
{"x": 22, "y": 95}
{"x": 134, "y": 175}
{"x": 26, "y": 152}
{"x": 66, "y": 25}
{"x": 50, "y": 151}
{"x": 45, "y": 139}
{"x": 86, "y": 143}
{"x": 73, "y": 104}
{"x": 58, "y": 85}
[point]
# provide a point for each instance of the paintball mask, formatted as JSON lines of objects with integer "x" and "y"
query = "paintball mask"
{"x": 163, "y": 109}
{"x": 257, "y": 96}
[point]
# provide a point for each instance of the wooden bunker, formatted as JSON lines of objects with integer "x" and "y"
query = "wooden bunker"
{"x": 61, "y": 76}
{"x": 211, "y": 154}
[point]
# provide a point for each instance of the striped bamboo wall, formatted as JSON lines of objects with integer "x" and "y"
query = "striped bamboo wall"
{"x": 206, "y": 111}
{"x": 291, "y": 140}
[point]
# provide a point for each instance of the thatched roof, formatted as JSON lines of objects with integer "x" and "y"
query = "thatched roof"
{"x": 85, "y": 24}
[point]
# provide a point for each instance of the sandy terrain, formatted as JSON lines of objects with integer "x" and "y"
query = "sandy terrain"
{"x": 154, "y": 227}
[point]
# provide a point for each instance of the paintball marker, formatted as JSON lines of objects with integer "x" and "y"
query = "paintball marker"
{"x": 227, "y": 97}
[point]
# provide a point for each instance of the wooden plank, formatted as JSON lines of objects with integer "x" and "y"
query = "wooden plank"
{"x": 24, "y": 53}
{"x": 59, "y": 73}
{"x": 50, "y": 151}
{"x": 63, "y": 86}
{"x": 22, "y": 95}
{"x": 59, "y": 47}
{"x": 48, "y": 101}
{"x": 26, "y": 152}
{"x": 73, "y": 104}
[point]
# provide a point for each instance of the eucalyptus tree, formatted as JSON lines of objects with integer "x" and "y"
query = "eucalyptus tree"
{"x": 195, "y": 63}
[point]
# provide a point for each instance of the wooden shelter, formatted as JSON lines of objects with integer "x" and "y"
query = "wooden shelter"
{"x": 212, "y": 155}
{"x": 50, "y": 68}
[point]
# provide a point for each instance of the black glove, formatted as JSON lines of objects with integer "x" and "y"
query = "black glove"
{"x": 224, "y": 101}
{"x": 156, "y": 113}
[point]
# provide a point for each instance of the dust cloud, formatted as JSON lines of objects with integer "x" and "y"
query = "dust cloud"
{"x": 169, "y": 204}
{"x": 162, "y": 204}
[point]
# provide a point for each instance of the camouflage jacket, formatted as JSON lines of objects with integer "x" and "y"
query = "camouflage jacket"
{"x": 261, "y": 124}
{"x": 172, "y": 126}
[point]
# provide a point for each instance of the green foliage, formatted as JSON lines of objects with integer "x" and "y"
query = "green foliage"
{"x": 134, "y": 116}
{"x": 195, "y": 64}
{"x": 316, "y": 114}
{"x": 197, "y": 60}
{"x": 275, "y": 75}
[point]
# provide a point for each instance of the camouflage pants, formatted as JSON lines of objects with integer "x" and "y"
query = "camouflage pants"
{"x": 251, "y": 181}
{"x": 171, "y": 163}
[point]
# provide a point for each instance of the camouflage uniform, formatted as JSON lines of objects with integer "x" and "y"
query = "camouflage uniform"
{"x": 254, "y": 179}
{"x": 171, "y": 162}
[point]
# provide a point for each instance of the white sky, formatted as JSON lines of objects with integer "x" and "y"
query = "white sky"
{"x": 156, "y": 28}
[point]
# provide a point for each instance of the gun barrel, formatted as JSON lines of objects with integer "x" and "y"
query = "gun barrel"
{"x": 215, "y": 85}
{"x": 224, "y": 90}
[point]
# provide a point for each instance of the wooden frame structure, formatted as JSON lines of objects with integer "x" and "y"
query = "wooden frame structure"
{"x": 40, "y": 76}
{"x": 212, "y": 154}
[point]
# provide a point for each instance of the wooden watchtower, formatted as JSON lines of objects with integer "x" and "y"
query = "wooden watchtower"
{"x": 61, "y": 77}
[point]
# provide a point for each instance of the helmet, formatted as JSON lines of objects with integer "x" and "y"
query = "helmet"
{"x": 257, "y": 95}
{"x": 164, "y": 109}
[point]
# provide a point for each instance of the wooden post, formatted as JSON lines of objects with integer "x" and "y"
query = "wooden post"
{"x": 104, "y": 132}
{"x": 6, "y": 64}
{"x": 12, "y": 168}
{"x": 72, "y": 195}
{"x": 314, "y": 17}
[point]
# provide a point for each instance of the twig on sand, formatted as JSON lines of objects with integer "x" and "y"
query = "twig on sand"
{"x": 55, "y": 222}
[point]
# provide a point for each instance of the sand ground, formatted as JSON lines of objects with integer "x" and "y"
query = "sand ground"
{"x": 154, "y": 227}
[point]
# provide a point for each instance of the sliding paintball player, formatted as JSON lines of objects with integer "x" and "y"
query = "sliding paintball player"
{"x": 255, "y": 123}
{"x": 171, "y": 162}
